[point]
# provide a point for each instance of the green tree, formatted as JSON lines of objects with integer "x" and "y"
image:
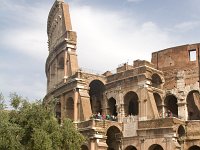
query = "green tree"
{"x": 32, "y": 126}
{"x": 10, "y": 133}
{"x": 2, "y": 102}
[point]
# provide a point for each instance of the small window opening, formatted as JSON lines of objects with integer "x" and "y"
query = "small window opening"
{"x": 192, "y": 55}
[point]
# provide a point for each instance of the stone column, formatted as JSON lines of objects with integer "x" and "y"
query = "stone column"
{"x": 65, "y": 67}
{"x": 63, "y": 107}
{"x": 75, "y": 105}
{"x": 182, "y": 110}
{"x": 120, "y": 109}
{"x": 104, "y": 104}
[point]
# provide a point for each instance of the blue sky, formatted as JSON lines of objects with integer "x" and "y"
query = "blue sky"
{"x": 110, "y": 32}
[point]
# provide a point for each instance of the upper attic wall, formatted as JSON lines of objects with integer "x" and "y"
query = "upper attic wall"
{"x": 59, "y": 28}
{"x": 176, "y": 57}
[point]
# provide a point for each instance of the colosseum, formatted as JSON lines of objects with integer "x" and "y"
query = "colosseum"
{"x": 143, "y": 106}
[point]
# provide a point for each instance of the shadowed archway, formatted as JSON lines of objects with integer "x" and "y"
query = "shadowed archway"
{"x": 155, "y": 147}
{"x": 113, "y": 138}
{"x": 193, "y": 105}
{"x": 130, "y": 148}
{"x": 96, "y": 95}
{"x": 131, "y": 106}
{"x": 195, "y": 147}
{"x": 112, "y": 109}
{"x": 171, "y": 105}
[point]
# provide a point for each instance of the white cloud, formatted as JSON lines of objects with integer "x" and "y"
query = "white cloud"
{"x": 107, "y": 39}
{"x": 28, "y": 41}
{"x": 186, "y": 26}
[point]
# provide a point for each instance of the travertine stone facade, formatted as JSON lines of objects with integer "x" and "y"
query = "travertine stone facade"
{"x": 154, "y": 105}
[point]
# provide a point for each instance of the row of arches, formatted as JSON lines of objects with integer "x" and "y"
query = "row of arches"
{"x": 131, "y": 103}
{"x": 114, "y": 140}
{"x": 152, "y": 147}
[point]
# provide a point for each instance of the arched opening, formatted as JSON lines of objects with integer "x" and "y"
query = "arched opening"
{"x": 181, "y": 131}
{"x": 181, "y": 134}
{"x": 131, "y": 104}
{"x": 158, "y": 101}
{"x": 96, "y": 95}
{"x": 155, "y": 147}
{"x": 113, "y": 138}
{"x": 156, "y": 81}
{"x": 171, "y": 106}
{"x": 193, "y": 105}
{"x": 112, "y": 107}
{"x": 58, "y": 111}
{"x": 70, "y": 108}
{"x": 131, "y": 148}
{"x": 84, "y": 147}
{"x": 194, "y": 148}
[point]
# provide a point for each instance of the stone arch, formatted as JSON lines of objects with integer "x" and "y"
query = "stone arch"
{"x": 171, "y": 105}
{"x": 131, "y": 105}
{"x": 96, "y": 91}
{"x": 193, "y": 105}
{"x": 58, "y": 111}
{"x": 113, "y": 138}
{"x": 181, "y": 134}
{"x": 84, "y": 147}
{"x": 130, "y": 147}
{"x": 181, "y": 131}
{"x": 70, "y": 108}
{"x": 158, "y": 101}
{"x": 112, "y": 109}
{"x": 156, "y": 80}
{"x": 155, "y": 147}
{"x": 195, "y": 147}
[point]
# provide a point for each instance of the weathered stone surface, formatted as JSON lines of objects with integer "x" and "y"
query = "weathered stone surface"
{"x": 155, "y": 105}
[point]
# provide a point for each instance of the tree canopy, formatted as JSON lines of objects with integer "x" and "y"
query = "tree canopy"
{"x": 33, "y": 126}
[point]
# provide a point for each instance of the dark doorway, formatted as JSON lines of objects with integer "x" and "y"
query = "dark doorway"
{"x": 112, "y": 107}
{"x": 171, "y": 105}
{"x": 113, "y": 138}
{"x": 96, "y": 95}
{"x": 193, "y": 105}
{"x": 131, "y": 104}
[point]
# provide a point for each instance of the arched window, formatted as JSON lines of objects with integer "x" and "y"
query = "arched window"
{"x": 96, "y": 95}
{"x": 171, "y": 106}
{"x": 112, "y": 107}
{"x": 193, "y": 105}
{"x": 131, "y": 148}
{"x": 131, "y": 104}
{"x": 70, "y": 108}
{"x": 156, "y": 81}
{"x": 84, "y": 147}
{"x": 155, "y": 147}
{"x": 113, "y": 138}
{"x": 194, "y": 148}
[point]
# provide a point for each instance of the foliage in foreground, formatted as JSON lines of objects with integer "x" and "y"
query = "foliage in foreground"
{"x": 32, "y": 126}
